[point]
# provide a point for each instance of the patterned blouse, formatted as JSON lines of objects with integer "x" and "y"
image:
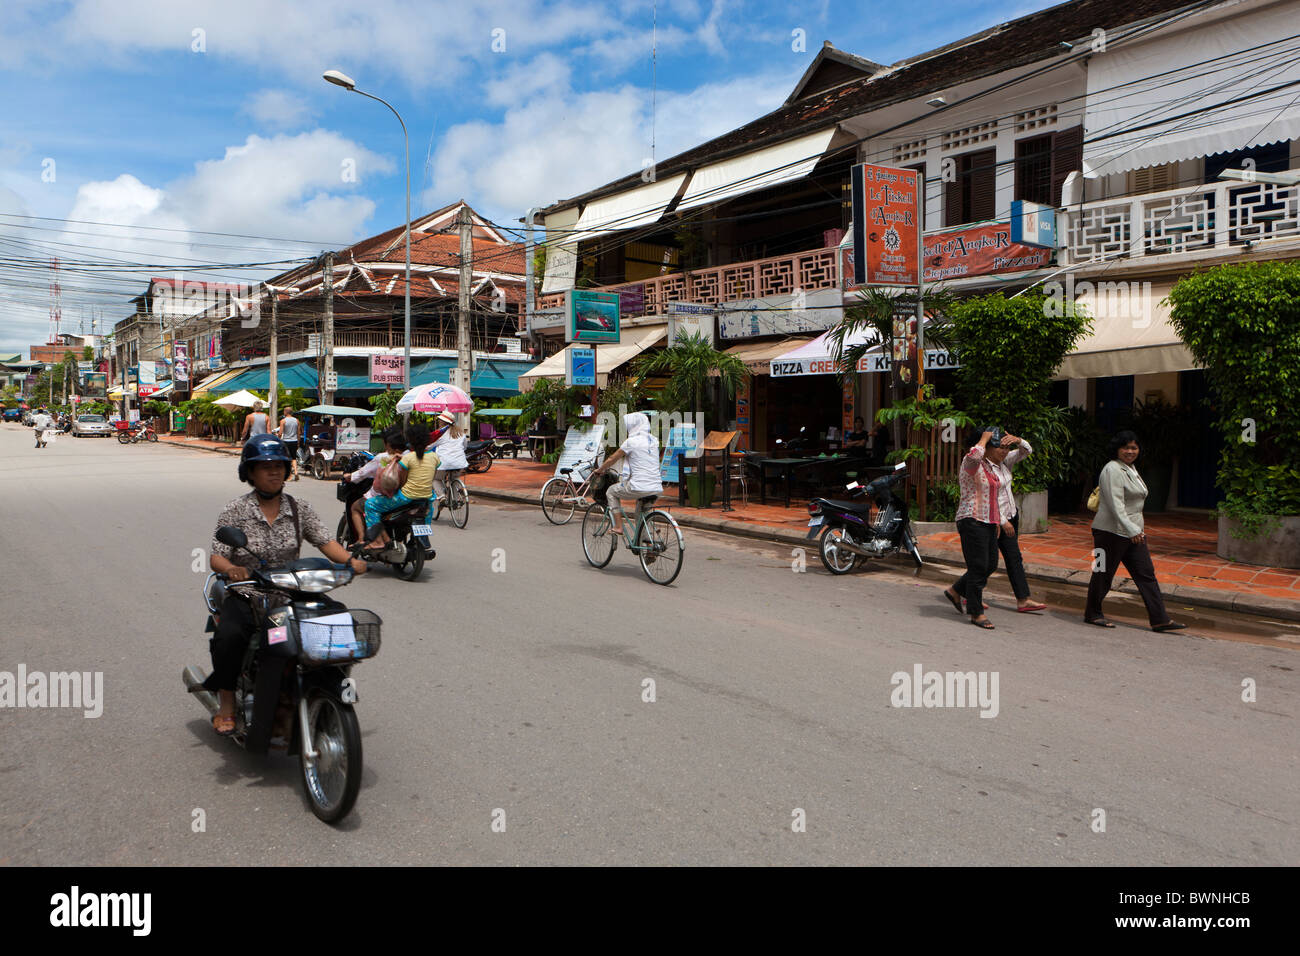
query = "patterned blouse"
{"x": 277, "y": 542}
{"x": 979, "y": 488}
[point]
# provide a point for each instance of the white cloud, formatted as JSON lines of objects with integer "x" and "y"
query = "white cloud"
{"x": 553, "y": 146}
{"x": 278, "y": 109}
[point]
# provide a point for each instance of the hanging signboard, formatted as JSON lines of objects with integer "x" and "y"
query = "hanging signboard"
{"x": 886, "y": 218}
{"x": 591, "y": 316}
{"x": 978, "y": 251}
{"x": 689, "y": 318}
{"x": 96, "y": 385}
{"x": 148, "y": 379}
{"x": 351, "y": 437}
{"x": 682, "y": 441}
{"x": 582, "y": 443}
{"x": 181, "y": 366}
{"x": 1033, "y": 224}
{"x": 388, "y": 369}
{"x": 580, "y": 366}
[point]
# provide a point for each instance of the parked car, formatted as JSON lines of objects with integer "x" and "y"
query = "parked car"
{"x": 91, "y": 425}
{"x": 13, "y": 414}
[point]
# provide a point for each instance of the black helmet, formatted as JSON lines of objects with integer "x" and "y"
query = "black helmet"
{"x": 263, "y": 448}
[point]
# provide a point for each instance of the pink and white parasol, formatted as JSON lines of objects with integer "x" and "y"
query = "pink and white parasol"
{"x": 435, "y": 397}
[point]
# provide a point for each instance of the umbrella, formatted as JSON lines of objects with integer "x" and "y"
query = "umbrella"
{"x": 338, "y": 411}
{"x": 240, "y": 399}
{"x": 435, "y": 397}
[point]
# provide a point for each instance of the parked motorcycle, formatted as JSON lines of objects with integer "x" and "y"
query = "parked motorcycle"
{"x": 302, "y": 659}
{"x": 137, "y": 431}
{"x": 848, "y": 533}
{"x": 478, "y": 456}
{"x": 410, "y": 535}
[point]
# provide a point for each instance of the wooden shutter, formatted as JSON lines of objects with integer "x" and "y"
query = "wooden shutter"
{"x": 1067, "y": 156}
{"x": 982, "y": 189}
{"x": 952, "y": 196}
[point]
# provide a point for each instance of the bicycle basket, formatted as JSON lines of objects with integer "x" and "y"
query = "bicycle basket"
{"x": 346, "y": 635}
{"x": 601, "y": 485}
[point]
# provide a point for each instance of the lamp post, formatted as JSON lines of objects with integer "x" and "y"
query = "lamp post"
{"x": 345, "y": 81}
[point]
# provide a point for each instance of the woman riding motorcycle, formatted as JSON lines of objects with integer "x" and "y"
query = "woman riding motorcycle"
{"x": 275, "y": 525}
{"x": 414, "y": 483}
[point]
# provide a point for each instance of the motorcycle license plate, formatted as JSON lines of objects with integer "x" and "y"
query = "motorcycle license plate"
{"x": 814, "y": 522}
{"x": 421, "y": 529}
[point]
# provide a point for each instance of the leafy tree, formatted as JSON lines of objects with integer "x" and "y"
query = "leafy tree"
{"x": 690, "y": 365}
{"x": 1242, "y": 325}
{"x": 1009, "y": 350}
{"x": 552, "y": 403}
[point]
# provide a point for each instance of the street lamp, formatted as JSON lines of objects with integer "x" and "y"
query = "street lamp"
{"x": 1254, "y": 176}
{"x": 345, "y": 81}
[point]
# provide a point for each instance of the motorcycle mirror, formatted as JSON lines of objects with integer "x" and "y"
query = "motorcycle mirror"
{"x": 232, "y": 537}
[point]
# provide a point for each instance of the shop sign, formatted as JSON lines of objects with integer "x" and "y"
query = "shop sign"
{"x": 682, "y": 441}
{"x": 780, "y": 314}
{"x": 591, "y": 316}
{"x": 1033, "y": 224}
{"x": 580, "y": 366}
{"x": 979, "y": 251}
{"x": 631, "y": 299}
{"x": 387, "y": 370}
{"x": 548, "y": 319}
{"x": 689, "y": 318}
{"x": 886, "y": 220}
{"x": 934, "y": 359}
{"x": 351, "y": 437}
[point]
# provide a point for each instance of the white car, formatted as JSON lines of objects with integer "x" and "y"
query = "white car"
{"x": 91, "y": 425}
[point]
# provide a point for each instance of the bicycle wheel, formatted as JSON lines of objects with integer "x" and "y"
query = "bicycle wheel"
{"x": 458, "y": 502}
{"x": 558, "y": 500}
{"x": 660, "y": 548}
{"x": 597, "y": 536}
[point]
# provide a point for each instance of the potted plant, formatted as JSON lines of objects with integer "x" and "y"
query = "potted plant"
{"x": 1085, "y": 454}
{"x": 1242, "y": 325}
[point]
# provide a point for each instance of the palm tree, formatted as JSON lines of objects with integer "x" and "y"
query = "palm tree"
{"x": 689, "y": 364}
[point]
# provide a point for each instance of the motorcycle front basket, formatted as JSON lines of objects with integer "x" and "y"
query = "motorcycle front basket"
{"x": 331, "y": 640}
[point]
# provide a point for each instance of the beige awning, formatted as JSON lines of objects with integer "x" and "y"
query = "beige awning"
{"x": 634, "y": 341}
{"x": 760, "y": 169}
{"x": 758, "y": 356}
{"x": 1131, "y": 332}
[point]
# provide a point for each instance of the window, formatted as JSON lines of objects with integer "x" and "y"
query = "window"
{"x": 1034, "y": 169}
{"x": 970, "y": 196}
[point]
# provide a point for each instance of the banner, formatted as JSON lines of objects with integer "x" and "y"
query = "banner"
{"x": 583, "y": 443}
{"x": 979, "y": 251}
{"x": 181, "y": 366}
{"x": 96, "y": 385}
{"x": 885, "y": 222}
{"x": 592, "y": 316}
{"x": 689, "y": 318}
{"x": 388, "y": 369}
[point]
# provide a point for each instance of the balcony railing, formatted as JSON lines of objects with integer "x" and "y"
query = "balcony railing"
{"x": 1213, "y": 216}
{"x": 779, "y": 275}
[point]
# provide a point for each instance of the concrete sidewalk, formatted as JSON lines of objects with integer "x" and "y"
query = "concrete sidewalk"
{"x": 1183, "y": 545}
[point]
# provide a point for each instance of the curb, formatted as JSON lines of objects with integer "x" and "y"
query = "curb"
{"x": 184, "y": 444}
{"x": 1203, "y": 597}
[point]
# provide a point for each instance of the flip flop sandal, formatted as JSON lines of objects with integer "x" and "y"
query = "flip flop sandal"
{"x": 1168, "y": 626}
{"x": 1100, "y": 622}
{"x": 224, "y": 725}
{"x": 954, "y": 601}
{"x": 986, "y": 624}
{"x": 1032, "y": 607}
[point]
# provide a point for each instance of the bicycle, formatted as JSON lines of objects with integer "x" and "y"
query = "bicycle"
{"x": 560, "y": 497}
{"x": 455, "y": 499}
{"x": 657, "y": 541}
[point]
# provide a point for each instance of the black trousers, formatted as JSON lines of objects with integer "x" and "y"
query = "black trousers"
{"x": 979, "y": 547}
{"x": 1009, "y": 545}
{"x": 229, "y": 642}
{"x": 1116, "y": 550}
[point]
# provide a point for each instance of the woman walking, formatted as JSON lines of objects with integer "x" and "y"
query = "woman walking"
{"x": 1118, "y": 533}
{"x": 979, "y": 519}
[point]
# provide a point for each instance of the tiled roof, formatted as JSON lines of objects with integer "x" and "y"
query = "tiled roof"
{"x": 1017, "y": 43}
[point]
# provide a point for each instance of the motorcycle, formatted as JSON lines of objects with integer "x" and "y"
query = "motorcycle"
{"x": 478, "y": 456}
{"x": 410, "y": 535}
{"x": 137, "y": 431}
{"x": 848, "y": 533}
{"x": 301, "y": 659}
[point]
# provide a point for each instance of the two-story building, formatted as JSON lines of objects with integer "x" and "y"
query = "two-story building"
{"x": 1122, "y": 114}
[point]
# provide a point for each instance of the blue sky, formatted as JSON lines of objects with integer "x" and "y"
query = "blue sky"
{"x": 212, "y": 117}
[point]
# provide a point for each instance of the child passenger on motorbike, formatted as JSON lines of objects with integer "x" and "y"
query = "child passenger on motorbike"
{"x": 394, "y": 445}
{"x": 414, "y": 482}
{"x": 275, "y": 525}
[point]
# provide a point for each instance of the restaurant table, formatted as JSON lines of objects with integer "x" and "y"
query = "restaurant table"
{"x": 788, "y": 467}
{"x": 546, "y": 444}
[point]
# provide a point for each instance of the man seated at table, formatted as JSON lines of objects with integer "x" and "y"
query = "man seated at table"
{"x": 855, "y": 442}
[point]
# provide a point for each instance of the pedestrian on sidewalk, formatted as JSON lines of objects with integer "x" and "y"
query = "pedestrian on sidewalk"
{"x": 256, "y": 422}
{"x": 1118, "y": 532}
{"x": 1002, "y": 454}
{"x": 288, "y": 432}
{"x": 979, "y": 519}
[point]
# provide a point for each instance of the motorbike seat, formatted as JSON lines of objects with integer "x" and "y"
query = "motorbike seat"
{"x": 416, "y": 511}
{"x": 861, "y": 507}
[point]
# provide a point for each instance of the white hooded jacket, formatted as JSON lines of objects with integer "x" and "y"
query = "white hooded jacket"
{"x": 641, "y": 473}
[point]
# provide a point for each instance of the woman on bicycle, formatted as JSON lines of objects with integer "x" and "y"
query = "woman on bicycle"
{"x": 640, "y": 452}
{"x": 450, "y": 446}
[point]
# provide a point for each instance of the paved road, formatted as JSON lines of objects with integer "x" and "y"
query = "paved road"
{"x": 522, "y": 691}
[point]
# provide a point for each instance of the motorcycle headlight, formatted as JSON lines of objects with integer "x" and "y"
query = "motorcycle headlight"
{"x": 317, "y": 582}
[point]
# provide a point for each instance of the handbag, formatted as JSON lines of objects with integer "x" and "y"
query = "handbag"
{"x": 389, "y": 478}
{"x": 1094, "y": 499}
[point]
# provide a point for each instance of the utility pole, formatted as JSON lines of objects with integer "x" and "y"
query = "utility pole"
{"x": 529, "y": 302}
{"x": 275, "y": 354}
{"x": 327, "y": 340}
{"x": 464, "y": 358}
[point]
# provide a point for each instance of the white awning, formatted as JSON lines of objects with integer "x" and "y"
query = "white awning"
{"x": 1131, "y": 333}
{"x": 758, "y": 356}
{"x": 561, "y": 251}
{"x": 1210, "y": 89}
{"x": 757, "y": 170}
{"x": 627, "y": 210}
{"x": 608, "y": 357}
{"x": 819, "y": 357}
